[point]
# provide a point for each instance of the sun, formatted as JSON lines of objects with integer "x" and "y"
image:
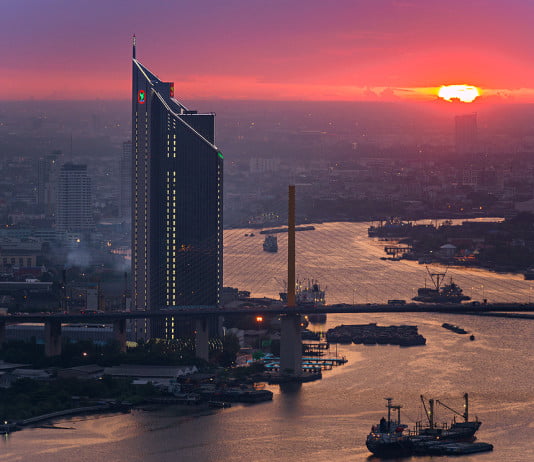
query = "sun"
{"x": 463, "y": 93}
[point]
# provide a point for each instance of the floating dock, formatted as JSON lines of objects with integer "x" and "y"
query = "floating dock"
{"x": 309, "y": 363}
{"x": 450, "y": 448}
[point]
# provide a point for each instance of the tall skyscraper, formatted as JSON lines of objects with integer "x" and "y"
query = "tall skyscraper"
{"x": 177, "y": 201}
{"x": 466, "y": 134}
{"x": 47, "y": 179}
{"x": 74, "y": 200}
{"x": 125, "y": 187}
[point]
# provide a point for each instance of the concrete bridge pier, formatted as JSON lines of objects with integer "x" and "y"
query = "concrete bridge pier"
{"x": 52, "y": 334}
{"x": 119, "y": 333}
{"x": 202, "y": 338}
{"x": 291, "y": 345}
{"x": 2, "y": 333}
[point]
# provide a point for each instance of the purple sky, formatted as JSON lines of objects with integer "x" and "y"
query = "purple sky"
{"x": 254, "y": 49}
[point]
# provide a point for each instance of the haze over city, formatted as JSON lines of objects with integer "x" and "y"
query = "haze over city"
{"x": 229, "y": 229}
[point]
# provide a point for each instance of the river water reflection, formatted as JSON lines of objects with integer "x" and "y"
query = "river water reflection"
{"x": 329, "y": 419}
{"x": 343, "y": 258}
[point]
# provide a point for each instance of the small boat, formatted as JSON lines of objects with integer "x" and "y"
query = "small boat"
{"x": 270, "y": 244}
{"x": 219, "y": 404}
{"x": 454, "y": 328}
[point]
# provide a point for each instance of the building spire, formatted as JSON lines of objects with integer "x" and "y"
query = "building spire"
{"x": 133, "y": 45}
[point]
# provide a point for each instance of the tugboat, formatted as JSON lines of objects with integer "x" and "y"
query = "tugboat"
{"x": 449, "y": 293}
{"x": 391, "y": 438}
{"x": 270, "y": 244}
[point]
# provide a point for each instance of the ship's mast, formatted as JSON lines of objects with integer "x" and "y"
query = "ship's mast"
{"x": 436, "y": 278}
{"x": 465, "y": 415}
{"x": 429, "y": 412}
{"x": 389, "y": 406}
{"x": 431, "y": 406}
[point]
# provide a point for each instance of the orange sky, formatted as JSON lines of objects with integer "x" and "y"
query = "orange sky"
{"x": 258, "y": 49}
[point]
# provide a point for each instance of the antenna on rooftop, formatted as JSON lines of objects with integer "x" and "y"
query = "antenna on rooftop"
{"x": 134, "y": 40}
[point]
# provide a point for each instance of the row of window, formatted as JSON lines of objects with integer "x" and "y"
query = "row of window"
{"x": 13, "y": 261}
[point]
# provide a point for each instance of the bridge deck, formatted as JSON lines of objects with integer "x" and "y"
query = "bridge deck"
{"x": 109, "y": 317}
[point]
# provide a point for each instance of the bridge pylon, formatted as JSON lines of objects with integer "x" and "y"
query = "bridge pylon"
{"x": 290, "y": 331}
{"x": 202, "y": 338}
{"x": 119, "y": 333}
{"x": 291, "y": 345}
{"x": 2, "y": 333}
{"x": 52, "y": 334}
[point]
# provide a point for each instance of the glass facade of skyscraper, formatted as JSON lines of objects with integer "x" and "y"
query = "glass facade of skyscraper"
{"x": 177, "y": 202}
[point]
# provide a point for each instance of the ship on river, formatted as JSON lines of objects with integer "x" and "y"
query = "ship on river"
{"x": 309, "y": 293}
{"x": 448, "y": 293}
{"x": 270, "y": 244}
{"x": 394, "y": 227}
{"x": 392, "y": 438}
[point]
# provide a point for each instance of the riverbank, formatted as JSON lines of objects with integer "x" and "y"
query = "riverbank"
{"x": 112, "y": 406}
{"x": 367, "y": 219}
{"x": 329, "y": 418}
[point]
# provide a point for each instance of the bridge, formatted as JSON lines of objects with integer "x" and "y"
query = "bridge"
{"x": 290, "y": 339}
{"x": 54, "y": 321}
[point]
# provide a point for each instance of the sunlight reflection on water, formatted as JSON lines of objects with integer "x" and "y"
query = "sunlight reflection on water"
{"x": 344, "y": 259}
{"x": 329, "y": 419}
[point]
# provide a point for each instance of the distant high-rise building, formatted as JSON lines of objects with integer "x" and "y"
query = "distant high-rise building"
{"x": 466, "y": 134}
{"x": 74, "y": 200}
{"x": 177, "y": 202}
{"x": 264, "y": 165}
{"x": 125, "y": 192}
{"x": 47, "y": 178}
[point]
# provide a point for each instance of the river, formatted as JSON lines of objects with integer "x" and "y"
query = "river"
{"x": 342, "y": 258}
{"x": 328, "y": 420}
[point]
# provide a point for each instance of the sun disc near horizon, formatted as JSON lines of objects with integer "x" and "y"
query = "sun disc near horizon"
{"x": 463, "y": 93}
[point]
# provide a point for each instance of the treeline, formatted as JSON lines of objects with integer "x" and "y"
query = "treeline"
{"x": 29, "y": 398}
{"x": 175, "y": 352}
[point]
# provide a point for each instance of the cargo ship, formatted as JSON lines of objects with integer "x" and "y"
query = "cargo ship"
{"x": 448, "y": 293}
{"x": 394, "y": 227}
{"x": 392, "y": 438}
{"x": 311, "y": 295}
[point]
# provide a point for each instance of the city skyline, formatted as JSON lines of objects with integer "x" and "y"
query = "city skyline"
{"x": 384, "y": 50}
